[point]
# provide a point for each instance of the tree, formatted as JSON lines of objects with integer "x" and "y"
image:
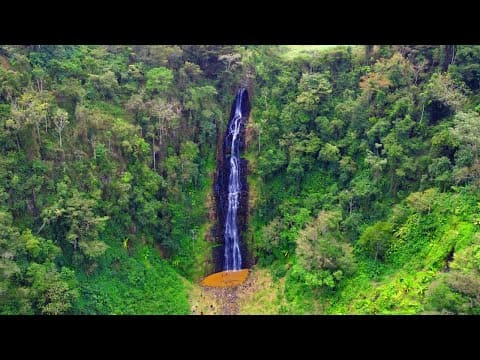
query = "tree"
{"x": 376, "y": 164}
{"x": 387, "y": 74}
{"x": 183, "y": 170}
{"x": 166, "y": 114}
{"x": 396, "y": 68}
{"x": 158, "y": 54}
{"x": 312, "y": 89}
{"x": 376, "y": 239}
{"x": 74, "y": 222}
{"x": 467, "y": 131}
{"x": 231, "y": 60}
{"x": 270, "y": 237}
{"x": 271, "y": 161}
{"x": 441, "y": 298}
{"x": 189, "y": 162}
{"x": 10, "y": 250}
{"x": 106, "y": 84}
{"x": 70, "y": 92}
{"x": 52, "y": 292}
{"x": 440, "y": 171}
{"x": 60, "y": 120}
{"x": 205, "y": 115}
{"x": 458, "y": 291}
{"x": 10, "y": 83}
{"x": 422, "y": 201}
{"x": 159, "y": 80}
{"x": 396, "y": 157}
{"x": 30, "y": 109}
{"x": 467, "y": 65}
{"x": 329, "y": 153}
{"x": 20, "y": 254}
{"x": 136, "y": 106}
{"x": 188, "y": 73}
{"x": 39, "y": 75}
{"x": 444, "y": 95}
{"x": 320, "y": 246}
{"x": 92, "y": 125}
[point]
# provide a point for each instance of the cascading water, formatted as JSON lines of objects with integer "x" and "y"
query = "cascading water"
{"x": 232, "y": 254}
{"x": 231, "y": 191}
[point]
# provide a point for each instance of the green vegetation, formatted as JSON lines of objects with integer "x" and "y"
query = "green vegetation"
{"x": 106, "y": 162}
{"x": 364, "y": 177}
{"x": 364, "y": 167}
{"x": 293, "y": 51}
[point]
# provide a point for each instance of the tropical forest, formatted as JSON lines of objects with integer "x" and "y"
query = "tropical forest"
{"x": 239, "y": 179}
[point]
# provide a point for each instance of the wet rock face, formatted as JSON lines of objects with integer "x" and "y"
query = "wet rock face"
{"x": 221, "y": 190}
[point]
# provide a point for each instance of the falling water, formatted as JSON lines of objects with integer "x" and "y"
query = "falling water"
{"x": 233, "y": 258}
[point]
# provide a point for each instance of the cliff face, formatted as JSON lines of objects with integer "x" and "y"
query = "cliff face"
{"x": 221, "y": 190}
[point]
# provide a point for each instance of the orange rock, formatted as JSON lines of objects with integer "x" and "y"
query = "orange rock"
{"x": 226, "y": 278}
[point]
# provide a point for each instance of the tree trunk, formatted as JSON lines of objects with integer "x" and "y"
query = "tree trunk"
{"x": 454, "y": 54}
{"x": 259, "y": 141}
{"x": 39, "y": 85}
{"x": 94, "y": 148}
{"x": 153, "y": 152}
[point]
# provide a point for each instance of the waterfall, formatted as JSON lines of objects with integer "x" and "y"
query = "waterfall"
{"x": 232, "y": 255}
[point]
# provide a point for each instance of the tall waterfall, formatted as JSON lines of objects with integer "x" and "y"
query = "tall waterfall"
{"x": 233, "y": 257}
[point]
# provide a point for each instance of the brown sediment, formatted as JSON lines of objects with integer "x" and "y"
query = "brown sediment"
{"x": 223, "y": 288}
{"x": 226, "y": 279}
